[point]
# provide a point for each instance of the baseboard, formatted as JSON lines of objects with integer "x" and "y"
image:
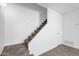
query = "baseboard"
{"x": 30, "y": 52}
{"x": 76, "y": 47}
{"x": 19, "y": 42}
{"x": 48, "y": 50}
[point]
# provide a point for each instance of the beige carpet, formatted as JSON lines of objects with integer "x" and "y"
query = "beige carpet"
{"x": 62, "y": 50}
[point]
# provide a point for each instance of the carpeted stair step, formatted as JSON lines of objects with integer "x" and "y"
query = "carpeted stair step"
{"x": 30, "y": 37}
{"x": 33, "y": 34}
{"x": 41, "y": 26}
{"x": 27, "y": 41}
{"x": 36, "y": 31}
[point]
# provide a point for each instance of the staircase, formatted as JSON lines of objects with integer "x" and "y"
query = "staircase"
{"x": 33, "y": 34}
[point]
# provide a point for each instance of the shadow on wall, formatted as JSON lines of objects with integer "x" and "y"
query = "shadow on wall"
{"x": 35, "y": 7}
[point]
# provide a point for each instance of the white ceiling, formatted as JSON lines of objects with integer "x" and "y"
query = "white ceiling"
{"x": 61, "y": 7}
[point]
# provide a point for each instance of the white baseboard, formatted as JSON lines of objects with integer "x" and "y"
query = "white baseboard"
{"x": 49, "y": 49}
{"x": 74, "y": 46}
{"x": 2, "y": 47}
{"x": 13, "y": 43}
{"x": 30, "y": 52}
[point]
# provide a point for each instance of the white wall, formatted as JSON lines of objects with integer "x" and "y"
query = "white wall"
{"x": 71, "y": 29}
{"x": 50, "y": 36}
{"x": 40, "y": 9}
{"x": 20, "y": 22}
{"x": 1, "y": 30}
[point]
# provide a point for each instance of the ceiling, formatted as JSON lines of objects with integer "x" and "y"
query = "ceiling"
{"x": 61, "y": 7}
